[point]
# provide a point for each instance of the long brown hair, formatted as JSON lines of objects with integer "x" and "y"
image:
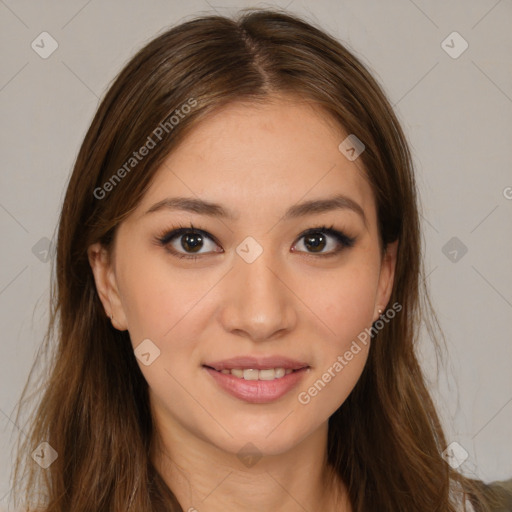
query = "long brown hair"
{"x": 385, "y": 441}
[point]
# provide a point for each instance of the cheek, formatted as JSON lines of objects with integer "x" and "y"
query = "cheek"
{"x": 158, "y": 299}
{"x": 346, "y": 301}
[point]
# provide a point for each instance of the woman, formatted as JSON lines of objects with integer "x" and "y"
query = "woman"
{"x": 239, "y": 289}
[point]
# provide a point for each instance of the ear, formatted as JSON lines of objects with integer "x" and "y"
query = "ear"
{"x": 386, "y": 278}
{"x": 106, "y": 285}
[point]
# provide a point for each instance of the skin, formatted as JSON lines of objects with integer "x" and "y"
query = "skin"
{"x": 256, "y": 160}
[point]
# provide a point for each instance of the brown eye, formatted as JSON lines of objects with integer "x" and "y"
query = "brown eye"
{"x": 317, "y": 239}
{"x": 187, "y": 242}
{"x": 315, "y": 242}
{"x": 192, "y": 242}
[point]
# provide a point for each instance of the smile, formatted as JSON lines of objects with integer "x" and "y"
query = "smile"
{"x": 255, "y": 374}
{"x": 257, "y": 386}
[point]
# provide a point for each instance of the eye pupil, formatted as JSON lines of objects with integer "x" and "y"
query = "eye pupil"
{"x": 192, "y": 242}
{"x": 318, "y": 245}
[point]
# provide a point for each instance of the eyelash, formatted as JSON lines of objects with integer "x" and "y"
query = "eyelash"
{"x": 167, "y": 235}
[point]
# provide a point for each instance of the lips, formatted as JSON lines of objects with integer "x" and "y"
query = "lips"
{"x": 257, "y": 380}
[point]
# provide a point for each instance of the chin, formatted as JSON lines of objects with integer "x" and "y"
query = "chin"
{"x": 268, "y": 439}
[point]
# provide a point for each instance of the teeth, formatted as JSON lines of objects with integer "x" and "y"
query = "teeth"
{"x": 271, "y": 374}
{"x": 253, "y": 374}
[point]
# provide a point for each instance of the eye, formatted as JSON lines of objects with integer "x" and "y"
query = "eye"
{"x": 315, "y": 240}
{"x": 190, "y": 242}
{"x": 187, "y": 242}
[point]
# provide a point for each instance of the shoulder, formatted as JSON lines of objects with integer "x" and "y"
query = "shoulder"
{"x": 498, "y": 495}
{"x": 499, "y": 492}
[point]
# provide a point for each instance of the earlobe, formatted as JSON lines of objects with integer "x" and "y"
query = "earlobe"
{"x": 106, "y": 285}
{"x": 386, "y": 278}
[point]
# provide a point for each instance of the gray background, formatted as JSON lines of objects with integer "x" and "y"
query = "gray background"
{"x": 456, "y": 112}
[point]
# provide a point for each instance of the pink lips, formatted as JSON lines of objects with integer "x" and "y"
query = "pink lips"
{"x": 257, "y": 391}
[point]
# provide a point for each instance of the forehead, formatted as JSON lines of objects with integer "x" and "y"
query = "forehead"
{"x": 254, "y": 156}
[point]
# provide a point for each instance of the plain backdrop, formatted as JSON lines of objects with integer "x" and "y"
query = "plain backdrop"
{"x": 455, "y": 104}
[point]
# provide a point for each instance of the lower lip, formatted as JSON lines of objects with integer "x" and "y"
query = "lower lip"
{"x": 257, "y": 391}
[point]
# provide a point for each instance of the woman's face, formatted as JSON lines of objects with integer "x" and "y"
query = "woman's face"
{"x": 250, "y": 284}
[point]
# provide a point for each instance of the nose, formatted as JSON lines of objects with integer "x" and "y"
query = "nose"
{"x": 258, "y": 303}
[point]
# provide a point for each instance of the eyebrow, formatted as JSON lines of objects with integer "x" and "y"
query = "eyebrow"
{"x": 202, "y": 207}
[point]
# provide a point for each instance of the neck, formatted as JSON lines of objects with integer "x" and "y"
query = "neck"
{"x": 204, "y": 477}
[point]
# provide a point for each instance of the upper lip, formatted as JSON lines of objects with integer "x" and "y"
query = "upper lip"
{"x": 257, "y": 363}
